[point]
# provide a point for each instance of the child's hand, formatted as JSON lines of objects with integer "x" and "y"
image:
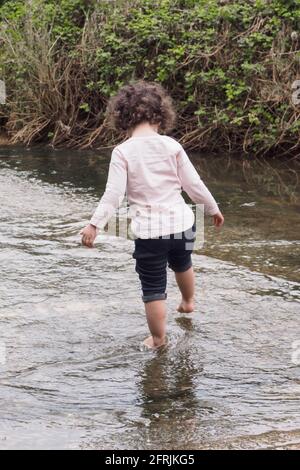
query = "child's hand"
{"x": 89, "y": 234}
{"x": 218, "y": 219}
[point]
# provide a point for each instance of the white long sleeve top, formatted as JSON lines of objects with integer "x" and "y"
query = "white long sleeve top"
{"x": 152, "y": 170}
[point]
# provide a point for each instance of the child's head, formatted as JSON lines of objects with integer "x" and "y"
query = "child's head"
{"x": 138, "y": 102}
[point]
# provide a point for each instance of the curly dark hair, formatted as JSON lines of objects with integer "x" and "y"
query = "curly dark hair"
{"x": 141, "y": 101}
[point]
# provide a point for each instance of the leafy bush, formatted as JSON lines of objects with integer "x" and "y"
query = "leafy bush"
{"x": 229, "y": 66}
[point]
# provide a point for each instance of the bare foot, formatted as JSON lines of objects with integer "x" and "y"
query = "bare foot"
{"x": 149, "y": 342}
{"x": 186, "y": 307}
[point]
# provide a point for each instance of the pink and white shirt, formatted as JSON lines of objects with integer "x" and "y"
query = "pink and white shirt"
{"x": 152, "y": 170}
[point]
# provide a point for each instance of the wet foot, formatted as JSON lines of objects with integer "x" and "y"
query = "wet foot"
{"x": 149, "y": 343}
{"x": 186, "y": 306}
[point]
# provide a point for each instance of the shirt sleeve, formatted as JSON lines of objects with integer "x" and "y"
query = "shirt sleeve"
{"x": 193, "y": 185}
{"x": 114, "y": 191}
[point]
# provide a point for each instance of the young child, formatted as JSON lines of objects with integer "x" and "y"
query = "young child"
{"x": 152, "y": 169}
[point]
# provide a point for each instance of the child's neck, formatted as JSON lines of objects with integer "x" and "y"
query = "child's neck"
{"x": 144, "y": 129}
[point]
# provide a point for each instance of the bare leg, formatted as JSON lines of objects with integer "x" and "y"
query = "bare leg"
{"x": 156, "y": 318}
{"x": 186, "y": 284}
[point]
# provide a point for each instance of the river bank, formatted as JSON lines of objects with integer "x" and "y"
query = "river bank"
{"x": 230, "y": 67}
{"x": 4, "y": 140}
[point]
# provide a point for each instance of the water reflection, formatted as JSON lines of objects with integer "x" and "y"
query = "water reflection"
{"x": 167, "y": 381}
{"x": 167, "y": 392}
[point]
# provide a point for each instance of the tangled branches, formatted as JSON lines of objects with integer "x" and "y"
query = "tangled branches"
{"x": 229, "y": 67}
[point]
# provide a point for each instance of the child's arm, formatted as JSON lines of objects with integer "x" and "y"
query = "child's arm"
{"x": 111, "y": 199}
{"x": 193, "y": 185}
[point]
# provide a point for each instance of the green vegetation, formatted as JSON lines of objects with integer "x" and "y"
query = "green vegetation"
{"x": 229, "y": 66}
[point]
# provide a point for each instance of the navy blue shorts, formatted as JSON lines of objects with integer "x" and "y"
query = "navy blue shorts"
{"x": 152, "y": 256}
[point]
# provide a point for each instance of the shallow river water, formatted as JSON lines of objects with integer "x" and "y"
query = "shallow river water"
{"x": 72, "y": 372}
